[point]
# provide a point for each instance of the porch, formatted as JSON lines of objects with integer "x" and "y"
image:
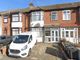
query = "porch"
{"x": 55, "y": 34}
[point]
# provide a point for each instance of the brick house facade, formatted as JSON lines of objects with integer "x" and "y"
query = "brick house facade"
{"x": 52, "y": 23}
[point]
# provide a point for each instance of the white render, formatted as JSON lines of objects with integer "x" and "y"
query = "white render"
{"x": 20, "y": 15}
{"x": 35, "y": 23}
{"x": 39, "y": 39}
{"x": 16, "y": 24}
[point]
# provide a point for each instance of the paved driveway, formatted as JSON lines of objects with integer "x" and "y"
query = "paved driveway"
{"x": 41, "y": 51}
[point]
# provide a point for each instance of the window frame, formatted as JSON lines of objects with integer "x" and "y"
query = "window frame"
{"x": 37, "y": 16}
{"x": 56, "y": 15}
{"x": 17, "y": 16}
{"x": 5, "y": 19}
{"x": 19, "y": 30}
{"x": 66, "y": 15}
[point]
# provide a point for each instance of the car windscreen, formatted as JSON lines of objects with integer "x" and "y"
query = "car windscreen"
{"x": 20, "y": 38}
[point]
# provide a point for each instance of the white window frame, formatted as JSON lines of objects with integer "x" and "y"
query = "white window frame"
{"x": 69, "y": 31}
{"x": 39, "y": 30}
{"x": 37, "y": 16}
{"x": 16, "y": 31}
{"x": 17, "y": 17}
{"x": 66, "y": 14}
{"x": 5, "y": 19}
{"x": 54, "y": 14}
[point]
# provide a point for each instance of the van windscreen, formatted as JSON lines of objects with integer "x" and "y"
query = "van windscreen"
{"x": 20, "y": 38}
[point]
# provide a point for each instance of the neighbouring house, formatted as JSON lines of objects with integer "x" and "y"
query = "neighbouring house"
{"x": 53, "y": 23}
{"x": 0, "y": 26}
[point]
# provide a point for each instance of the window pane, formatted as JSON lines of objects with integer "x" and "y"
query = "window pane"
{"x": 15, "y": 17}
{"x": 62, "y": 33}
{"x": 36, "y": 16}
{"x": 53, "y": 15}
{"x": 15, "y": 31}
{"x": 67, "y": 34}
{"x": 47, "y": 33}
{"x": 5, "y": 19}
{"x": 71, "y": 34}
{"x": 39, "y": 30}
{"x": 56, "y": 39}
{"x": 56, "y": 33}
{"x": 66, "y": 15}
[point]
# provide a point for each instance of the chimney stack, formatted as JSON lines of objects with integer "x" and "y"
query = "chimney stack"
{"x": 31, "y": 6}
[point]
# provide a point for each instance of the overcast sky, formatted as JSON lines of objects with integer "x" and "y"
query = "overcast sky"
{"x": 15, "y": 4}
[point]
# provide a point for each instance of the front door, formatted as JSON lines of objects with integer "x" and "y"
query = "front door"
{"x": 55, "y": 35}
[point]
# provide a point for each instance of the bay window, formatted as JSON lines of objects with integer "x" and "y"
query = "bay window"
{"x": 37, "y": 16}
{"x": 16, "y": 18}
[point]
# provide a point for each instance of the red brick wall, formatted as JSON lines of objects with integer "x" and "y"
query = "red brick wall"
{"x": 6, "y": 27}
{"x": 25, "y": 22}
{"x": 60, "y": 21}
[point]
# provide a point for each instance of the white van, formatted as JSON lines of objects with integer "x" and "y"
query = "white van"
{"x": 22, "y": 44}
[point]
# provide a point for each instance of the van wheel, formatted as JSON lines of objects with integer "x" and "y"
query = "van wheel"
{"x": 29, "y": 52}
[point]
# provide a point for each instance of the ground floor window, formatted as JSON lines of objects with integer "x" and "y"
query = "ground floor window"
{"x": 55, "y": 34}
{"x": 16, "y": 31}
{"x": 39, "y": 30}
{"x": 47, "y": 32}
{"x": 70, "y": 34}
{"x": 51, "y": 35}
{"x": 47, "y": 35}
{"x": 67, "y": 32}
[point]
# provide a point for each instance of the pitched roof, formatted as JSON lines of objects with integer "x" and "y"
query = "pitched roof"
{"x": 50, "y": 7}
{"x": 60, "y": 6}
{"x": 57, "y": 6}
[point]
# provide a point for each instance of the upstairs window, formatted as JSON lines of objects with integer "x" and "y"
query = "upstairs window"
{"x": 37, "y": 16}
{"x": 16, "y": 18}
{"x": 53, "y": 15}
{"x": 5, "y": 19}
{"x": 66, "y": 15}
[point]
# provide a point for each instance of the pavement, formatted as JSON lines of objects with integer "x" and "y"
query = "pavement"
{"x": 41, "y": 51}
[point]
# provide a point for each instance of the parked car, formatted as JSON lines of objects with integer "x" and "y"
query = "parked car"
{"x": 22, "y": 44}
{"x": 5, "y": 40}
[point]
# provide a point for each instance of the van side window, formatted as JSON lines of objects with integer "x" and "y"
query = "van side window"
{"x": 30, "y": 39}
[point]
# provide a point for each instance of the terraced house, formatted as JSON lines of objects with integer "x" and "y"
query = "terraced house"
{"x": 53, "y": 23}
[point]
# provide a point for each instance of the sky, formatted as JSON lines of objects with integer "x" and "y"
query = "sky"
{"x": 18, "y": 4}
